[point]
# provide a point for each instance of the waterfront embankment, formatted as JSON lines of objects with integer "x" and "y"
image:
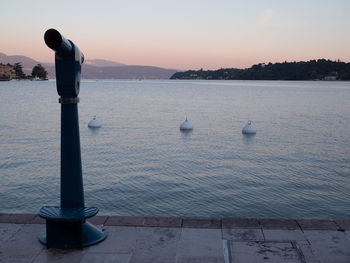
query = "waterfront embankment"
{"x": 174, "y": 239}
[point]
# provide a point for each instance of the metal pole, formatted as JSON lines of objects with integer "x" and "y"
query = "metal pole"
{"x": 72, "y": 192}
{"x": 66, "y": 226}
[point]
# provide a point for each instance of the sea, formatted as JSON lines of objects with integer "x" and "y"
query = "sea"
{"x": 139, "y": 163}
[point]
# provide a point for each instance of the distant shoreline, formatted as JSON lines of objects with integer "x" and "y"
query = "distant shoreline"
{"x": 320, "y": 69}
{"x": 198, "y": 79}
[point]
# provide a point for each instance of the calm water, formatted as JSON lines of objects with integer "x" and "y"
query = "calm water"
{"x": 139, "y": 163}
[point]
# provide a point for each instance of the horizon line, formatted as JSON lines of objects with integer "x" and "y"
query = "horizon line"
{"x": 170, "y": 68}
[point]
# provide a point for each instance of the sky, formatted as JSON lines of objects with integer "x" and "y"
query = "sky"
{"x": 181, "y": 34}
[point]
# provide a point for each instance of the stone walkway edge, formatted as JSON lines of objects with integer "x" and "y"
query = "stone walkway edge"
{"x": 194, "y": 222}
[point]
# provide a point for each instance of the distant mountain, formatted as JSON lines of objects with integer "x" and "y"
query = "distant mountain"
{"x": 102, "y": 63}
{"x": 126, "y": 72}
{"x": 118, "y": 72}
{"x": 27, "y": 63}
{"x": 96, "y": 69}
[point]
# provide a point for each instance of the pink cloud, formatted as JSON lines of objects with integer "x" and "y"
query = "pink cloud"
{"x": 266, "y": 16}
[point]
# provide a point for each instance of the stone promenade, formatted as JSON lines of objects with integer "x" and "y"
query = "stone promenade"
{"x": 180, "y": 240}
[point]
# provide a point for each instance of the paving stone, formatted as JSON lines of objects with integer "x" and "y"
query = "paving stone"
{"x": 7, "y": 231}
{"x": 19, "y": 242}
{"x": 307, "y": 255}
{"x": 24, "y": 243}
{"x": 16, "y": 218}
{"x": 186, "y": 259}
{"x": 163, "y": 221}
{"x": 278, "y": 223}
{"x": 150, "y": 259}
{"x": 236, "y": 234}
{"x": 17, "y": 258}
{"x": 200, "y": 243}
{"x": 347, "y": 234}
{"x": 311, "y": 224}
{"x": 264, "y": 251}
{"x": 8, "y": 244}
{"x": 124, "y": 221}
{"x": 156, "y": 245}
{"x": 105, "y": 258}
{"x": 329, "y": 246}
{"x": 283, "y": 235}
{"x": 98, "y": 220}
{"x": 59, "y": 255}
{"x": 201, "y": 223}
{"x": 240, "y": 223}
{"x": 120, "y": 239}
{"x": 343, "y": 224}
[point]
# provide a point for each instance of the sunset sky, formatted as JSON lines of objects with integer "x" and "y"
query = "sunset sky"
{"x": 182, "y": 34}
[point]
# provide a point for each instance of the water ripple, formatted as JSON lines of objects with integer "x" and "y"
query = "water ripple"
{"x": 139, "y": 163}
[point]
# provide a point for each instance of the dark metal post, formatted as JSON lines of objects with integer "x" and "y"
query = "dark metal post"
{"x": 65, "y": 225}
{"x": 72, "y": 193}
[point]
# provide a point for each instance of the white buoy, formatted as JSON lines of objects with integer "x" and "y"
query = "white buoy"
{"x": 186, "y": 125}
{"x": 249, "y": 128}
{"x": 94, "y": 123}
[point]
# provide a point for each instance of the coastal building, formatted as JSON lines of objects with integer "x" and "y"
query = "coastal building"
{"x": 6, "y": 72}
{"x": 330, "y": 78}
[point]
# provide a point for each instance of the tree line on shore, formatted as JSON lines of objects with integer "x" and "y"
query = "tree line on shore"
{"x": 8, "y": 72}
{"x": 320, "y": 69}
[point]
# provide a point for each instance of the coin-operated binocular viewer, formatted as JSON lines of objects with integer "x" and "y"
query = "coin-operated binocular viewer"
{"x": 66, "y": 226}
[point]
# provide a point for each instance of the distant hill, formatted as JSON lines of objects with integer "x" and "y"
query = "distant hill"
{"x": 126, "y": 72}
{"x": 27, "y": 63}
{"x": 102, "y": 63}
{"x": 118, "y": 72}
{"x": 320, "y": 69}
{"x": 96, "y": 69}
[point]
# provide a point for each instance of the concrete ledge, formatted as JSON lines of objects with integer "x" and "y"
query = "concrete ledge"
{"x": 124, "y": 221}
{"x": 214, "y": 223}
{"x": 98, "y": 220}
{"x": 314, "y": 224}
{"x": 343, "y": 224}
{"x": 17, "y": 218}
{"x": 37, "y": 220}
{"x": 240, "y": 223}
{"x": 201, "y": 223}
{"x": 162, "y": 221}
{"x": 289, "y": 224}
